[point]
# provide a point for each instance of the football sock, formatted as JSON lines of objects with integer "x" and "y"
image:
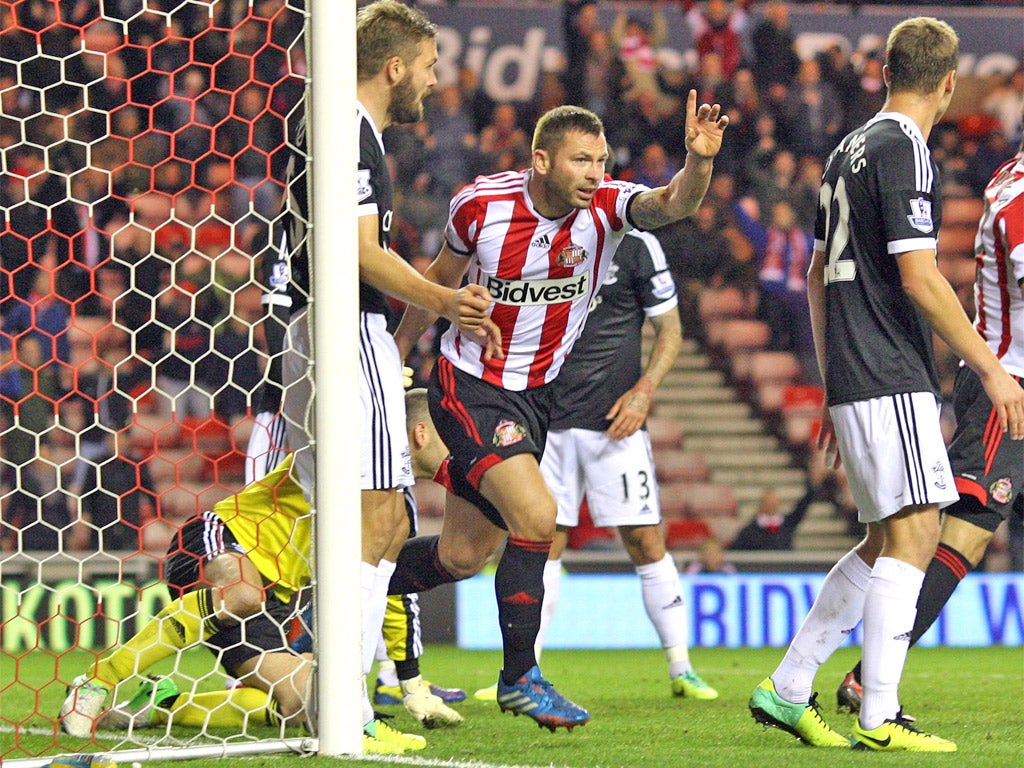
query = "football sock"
{"x": 419, "y": 567}
{"x": 552, "y": 587}
{"x": 374, "y": 588}
{"x": 368, "y": 713}
{"x": 402, "y": 636}
{"x": 944, "y": 574}
{"x": 236, "y": 708}
{"x": 889, "y": 611}
{"x": 835, "y": 612}
{"x": 407, "y": 669}
{"x": 519, "y": 587}
{"x": 181, "y": 624}
{"x": 386, "y": 673}
{"x": 663, "y": 600}
{"x": 381, "y": 654}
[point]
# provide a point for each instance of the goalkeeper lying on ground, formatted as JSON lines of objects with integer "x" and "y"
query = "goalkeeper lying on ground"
{"x": 236, "y": 573}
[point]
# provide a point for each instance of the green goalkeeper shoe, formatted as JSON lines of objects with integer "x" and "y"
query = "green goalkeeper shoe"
{"x": 802, "y": 720}
{"x": 137, "y": 712}
{"x": 690, "y": 685}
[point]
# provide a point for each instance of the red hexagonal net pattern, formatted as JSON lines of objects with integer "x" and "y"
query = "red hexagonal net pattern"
{"x": 143, "y": 147}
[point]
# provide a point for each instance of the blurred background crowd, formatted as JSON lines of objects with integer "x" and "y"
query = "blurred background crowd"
{"x": 144, "y": 153}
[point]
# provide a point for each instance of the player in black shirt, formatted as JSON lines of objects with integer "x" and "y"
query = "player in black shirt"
{"x": 396, "y": 53}
{"x": 876, "y": 295}
{"x": 395, "y": 57}
{"x": 598, "y": 444}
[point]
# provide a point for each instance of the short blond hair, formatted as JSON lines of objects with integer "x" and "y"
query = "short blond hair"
{"x": 919, "y": 53}
{"x": 389, "y": 28}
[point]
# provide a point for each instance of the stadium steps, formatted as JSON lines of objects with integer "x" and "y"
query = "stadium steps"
{"x": 823, "y": 530}
{"x": 692, "y": 377}
{"x": 761, "y": 477}
{"x": 748, "y": 458}
{"x": 710, "y": 443}
{"x": 740, "y": 449}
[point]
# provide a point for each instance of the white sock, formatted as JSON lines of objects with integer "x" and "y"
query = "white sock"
{"x": 374, "y": 605}
{"x": 381, "y": 654}
{"x": 552, "y": 586}
{"x": 663, "y": 600}
{"x": 367, "y": 706}
{"x": 379, "y": 604}
{"x": 368, "y": 579}
{"x": 386, "y": 672}
{"x": 889, "y": 614}
{"x": 835, "y": 613}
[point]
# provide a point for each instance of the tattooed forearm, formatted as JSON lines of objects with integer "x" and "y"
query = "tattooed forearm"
{"x": 648, "y": 212}
{"x": 679, "y": 198}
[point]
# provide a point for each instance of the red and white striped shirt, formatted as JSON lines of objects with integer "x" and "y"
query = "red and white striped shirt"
{"x": 999, "y": 253}
{"x": 542, "y": 272}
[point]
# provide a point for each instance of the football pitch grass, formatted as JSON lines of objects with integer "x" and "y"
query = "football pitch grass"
{"x": 974, "y": 696}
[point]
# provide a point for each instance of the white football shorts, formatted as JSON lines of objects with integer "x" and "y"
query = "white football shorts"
{"x": 894, "y": 454}
{"x": 385, "y": 460}
{"x": 617, "y": 477}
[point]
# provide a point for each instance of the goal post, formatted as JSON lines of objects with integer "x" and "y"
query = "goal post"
{"x": 335, "y": 282}
{"x": 143, "y": 147}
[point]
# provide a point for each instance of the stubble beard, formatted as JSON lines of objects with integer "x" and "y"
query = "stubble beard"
{"x": 406, "y": 103}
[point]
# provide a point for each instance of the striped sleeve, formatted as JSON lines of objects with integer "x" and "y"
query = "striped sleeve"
{"x": 909, "y": 194}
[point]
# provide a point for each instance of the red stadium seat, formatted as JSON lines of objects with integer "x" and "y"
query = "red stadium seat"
{"x": 673, "y": 464}
{"x": 664, "y": 432}
{"x": 710, "y": 500}
{"x": 686, "y": 533}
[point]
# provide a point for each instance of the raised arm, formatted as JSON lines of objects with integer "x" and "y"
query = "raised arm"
{"x": 683, "y": 194}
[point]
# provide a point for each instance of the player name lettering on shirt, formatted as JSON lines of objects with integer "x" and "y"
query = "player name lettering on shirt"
{"x": 525, "y": 293}
{"x": 854, "y": 144}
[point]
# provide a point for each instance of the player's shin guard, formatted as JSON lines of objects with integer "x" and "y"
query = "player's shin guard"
{"x": 663, "y": 601}
{"x": 836, "y": 610}
{"x": 519, "y": 586}
{"x": 419, "y": 567}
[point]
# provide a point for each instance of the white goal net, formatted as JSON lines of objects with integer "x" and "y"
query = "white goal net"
{"x": 144, "y": 151}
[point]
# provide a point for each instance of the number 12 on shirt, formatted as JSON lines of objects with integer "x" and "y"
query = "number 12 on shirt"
{"x": 836, "y": 270}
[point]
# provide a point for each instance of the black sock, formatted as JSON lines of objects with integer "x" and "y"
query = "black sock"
{"x": 519, "y": 586}
{"x": 946, "y": 570}
{"x": 407, "y": 669}
{"x": 418, "y": 567}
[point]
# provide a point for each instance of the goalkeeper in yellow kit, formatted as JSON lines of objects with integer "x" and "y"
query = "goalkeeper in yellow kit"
{"x": 236, "y": 574}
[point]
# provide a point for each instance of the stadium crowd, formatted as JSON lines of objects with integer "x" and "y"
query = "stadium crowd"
{"x": 144, "y": 165}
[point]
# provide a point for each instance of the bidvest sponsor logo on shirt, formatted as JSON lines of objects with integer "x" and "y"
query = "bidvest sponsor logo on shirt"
{"x": 526, "y": 293}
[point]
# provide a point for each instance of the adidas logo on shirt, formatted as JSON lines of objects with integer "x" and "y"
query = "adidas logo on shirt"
{"x": 541, "y": 242}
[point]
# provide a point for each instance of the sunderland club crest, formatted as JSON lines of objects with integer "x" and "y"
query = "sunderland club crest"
{"x": 1001, "y": 490}
{"x": 508, "y": 433}
{"x": 572, "y": 256}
